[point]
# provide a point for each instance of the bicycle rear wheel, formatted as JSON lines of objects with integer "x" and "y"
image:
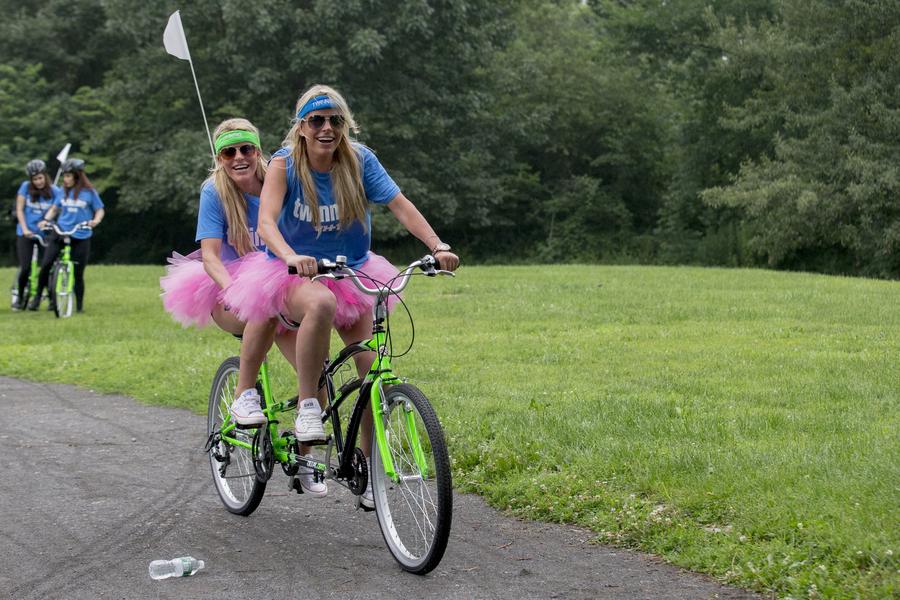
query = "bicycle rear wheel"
{"x": 415, "y": 512}
{"x": 236, "y": 481}
{"x": 62, "y": 290}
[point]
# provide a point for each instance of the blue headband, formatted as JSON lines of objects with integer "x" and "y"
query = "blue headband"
{"x": 317, "y": 103}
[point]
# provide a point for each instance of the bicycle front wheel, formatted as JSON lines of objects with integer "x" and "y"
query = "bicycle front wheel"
{"x": 232, "y": 465}
{"x": 62, "y": 290}
{"x": 415, "y": 509}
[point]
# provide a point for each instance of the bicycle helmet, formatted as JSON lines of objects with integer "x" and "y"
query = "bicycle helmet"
{"x": 73, "y": 165}
{"x": 35, "y": 166}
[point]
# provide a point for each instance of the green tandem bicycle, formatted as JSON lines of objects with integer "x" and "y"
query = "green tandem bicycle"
{"x": 410, "y": 465}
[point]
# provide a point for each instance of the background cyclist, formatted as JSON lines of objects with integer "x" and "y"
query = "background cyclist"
{"x": 79, "y": 202}
{"x": 34, "y": 198}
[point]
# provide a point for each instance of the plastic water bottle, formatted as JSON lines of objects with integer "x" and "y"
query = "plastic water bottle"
{"x": 177, "y": 567}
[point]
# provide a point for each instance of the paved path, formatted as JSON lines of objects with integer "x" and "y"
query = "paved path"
{"x": 94, "y": 487}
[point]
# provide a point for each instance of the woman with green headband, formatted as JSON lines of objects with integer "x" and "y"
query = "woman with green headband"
{"x": 226, "y": 229}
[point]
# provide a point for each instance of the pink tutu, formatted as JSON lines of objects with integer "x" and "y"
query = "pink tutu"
{"x": 189, "y": 293}
{"x": 260, "y": 285}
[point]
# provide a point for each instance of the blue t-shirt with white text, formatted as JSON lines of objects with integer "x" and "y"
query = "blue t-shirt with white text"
{"x": 35, "y": 209}
{"x": 77, "y": 210}
{"x": 211, "y": 221}
{"x": 296, "y": 224}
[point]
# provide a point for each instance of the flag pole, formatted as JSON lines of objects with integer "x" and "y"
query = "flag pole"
{"x": 175, "y": 43}
{"x": 205, "y": 122}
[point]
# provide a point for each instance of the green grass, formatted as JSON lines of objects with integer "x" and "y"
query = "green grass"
{"x": 742, "y": 423}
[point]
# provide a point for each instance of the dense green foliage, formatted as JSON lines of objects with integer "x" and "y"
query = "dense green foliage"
{"x": 738, "y": 422}
{"x": 735, "y": 132}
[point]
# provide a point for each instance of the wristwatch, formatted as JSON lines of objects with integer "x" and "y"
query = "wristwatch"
{"x": 442, "y": 247}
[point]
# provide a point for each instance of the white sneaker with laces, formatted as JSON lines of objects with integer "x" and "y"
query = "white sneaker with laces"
{"x": 308, "y": 425}
{"x": 308, "y": 482}
{"x": 246, "y": 410}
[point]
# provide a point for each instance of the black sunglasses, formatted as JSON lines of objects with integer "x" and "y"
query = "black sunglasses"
{"x": 318, "y": 121}
{"x": 231, "y": 151}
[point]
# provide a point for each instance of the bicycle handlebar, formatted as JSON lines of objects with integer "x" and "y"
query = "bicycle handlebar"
{"x": 39, "y": 239}
{"x": 55, "y": 227}
{"x": 338, "y": 269}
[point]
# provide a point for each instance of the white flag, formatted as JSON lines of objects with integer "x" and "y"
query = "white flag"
{"x": 64, "y": 153}
{"x": 173, "y": 38}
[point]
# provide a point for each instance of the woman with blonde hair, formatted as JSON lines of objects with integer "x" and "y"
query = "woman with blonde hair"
{"x": 227, "y": 231}
{"x": 314, "y": 205}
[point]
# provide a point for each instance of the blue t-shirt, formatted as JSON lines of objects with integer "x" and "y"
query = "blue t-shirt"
{"x": 35, "y": 210}
{"x": 296, "y": 224}
{"x": 77, "y": 210}
{"x": 211, "y": 221}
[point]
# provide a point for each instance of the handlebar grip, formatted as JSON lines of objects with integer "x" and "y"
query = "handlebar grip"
{"x": 322, "y": 266}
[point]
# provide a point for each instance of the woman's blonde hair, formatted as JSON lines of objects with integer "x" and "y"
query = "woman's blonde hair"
{"x": 346, "y": 172}
{"x": 231, "y": 196}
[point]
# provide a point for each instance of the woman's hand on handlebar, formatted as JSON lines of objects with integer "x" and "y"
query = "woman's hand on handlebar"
{"x": 305, "y": 265}
{"x": 447, "y": 260}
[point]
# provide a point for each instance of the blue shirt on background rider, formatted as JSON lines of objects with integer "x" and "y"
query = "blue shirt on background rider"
{"x": 73, "y": 211}
{"x": 35, "y": 210}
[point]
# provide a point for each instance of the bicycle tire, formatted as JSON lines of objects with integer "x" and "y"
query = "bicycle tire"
{"x": 14, "y": 292}
{"x": 239, "y": 488}
{"x": 62, "y": 294}
{"x": 415, "y": 513}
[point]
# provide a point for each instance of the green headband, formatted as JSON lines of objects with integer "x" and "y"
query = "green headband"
{"x": 235, "y": 136}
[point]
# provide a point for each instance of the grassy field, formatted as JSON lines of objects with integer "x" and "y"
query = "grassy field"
{"x": 742, "y": 423}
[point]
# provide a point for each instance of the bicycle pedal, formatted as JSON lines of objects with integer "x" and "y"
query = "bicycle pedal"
{"x": 241, "y": 426}
{"x": 294, "y": 484}
{"x": 316, "y": 442}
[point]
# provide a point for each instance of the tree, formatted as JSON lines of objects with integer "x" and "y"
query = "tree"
{"x": 827, "y": 196}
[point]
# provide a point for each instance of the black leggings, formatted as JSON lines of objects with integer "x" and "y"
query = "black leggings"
{"x": 81, "y": 250}
{"x": 24, "y": 248}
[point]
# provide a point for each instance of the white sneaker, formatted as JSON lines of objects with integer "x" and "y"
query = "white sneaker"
{"x": 308, "y": 425}
{"x": 245, "y": 409}
{"x": 308, "y": 482}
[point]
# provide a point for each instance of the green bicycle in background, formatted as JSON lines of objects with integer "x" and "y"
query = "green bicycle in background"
{"x": 410, "y": 465}
{"x": 62, "y": 276}
{"x": 33, "y": 274}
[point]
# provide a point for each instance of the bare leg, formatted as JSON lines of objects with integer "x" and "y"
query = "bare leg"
{"x": 227, "y": 321}
{"x": 287, "y": 343}
{"x": 312, "y": 305}
{"x": 257, "y": 340}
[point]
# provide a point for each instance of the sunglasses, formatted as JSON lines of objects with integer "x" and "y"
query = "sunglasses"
{"x": 318, "y": 121}
{"x": 231, "y": 151}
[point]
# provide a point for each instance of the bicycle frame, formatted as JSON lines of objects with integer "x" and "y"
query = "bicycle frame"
{"x": 35, "y": 269}
{"x": 65, "y": 258}
{"x": 370, "y": 393}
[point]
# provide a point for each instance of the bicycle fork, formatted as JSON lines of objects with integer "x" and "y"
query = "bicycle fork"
{"x": 380, "y": 374}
